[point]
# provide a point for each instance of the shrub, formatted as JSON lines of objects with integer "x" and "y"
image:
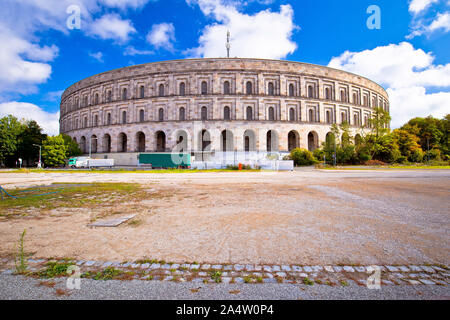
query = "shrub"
{"x": 416, "y": 156}
{"x": 375, "y": 163}
{"x": 302, "y": 157}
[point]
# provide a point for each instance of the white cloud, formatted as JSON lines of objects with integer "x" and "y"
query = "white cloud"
{"x": 132, "y": 51}
{"x": 162, "y": 36}
{"x": 53, "y": 95}
{"x": 23, "y": 110}
{"x": 97, "y": 56}
{"x": 407, "y": 73}
{"x": 407, "y": 103}
{"x": 123, "y": 4}
{"x": 442, "y": 22}
{"x": 265, "y": 34}
{"x": 417, "y": 6}
{"x": 112, "y": 26}
{"x": 22, "y": 63}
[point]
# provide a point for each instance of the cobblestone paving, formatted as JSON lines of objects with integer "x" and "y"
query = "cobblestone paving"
{"x": 238, "y": 273}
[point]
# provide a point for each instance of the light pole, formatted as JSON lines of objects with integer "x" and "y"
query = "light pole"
{"x": 39, "y": 163}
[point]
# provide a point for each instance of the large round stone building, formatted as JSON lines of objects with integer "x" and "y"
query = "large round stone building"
{"x": 210, "y": 106}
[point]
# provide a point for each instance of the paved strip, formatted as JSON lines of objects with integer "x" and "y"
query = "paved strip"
{"x": 20, "y": 287}
{"x": 333, "y": 276}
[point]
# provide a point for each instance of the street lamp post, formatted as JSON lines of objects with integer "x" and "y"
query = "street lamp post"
{"x": 39, "y": 163}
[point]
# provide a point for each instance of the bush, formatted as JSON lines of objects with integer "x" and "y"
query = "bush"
{"x": 433, "y": 154}
{"x": 416, "y": 156}
{"x": 302, "y": 157}
{"x": 375, "y": 163}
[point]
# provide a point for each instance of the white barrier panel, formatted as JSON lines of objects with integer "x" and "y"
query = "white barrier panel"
{"x": 282, "y": 165}
{"x": 285, "y": 165}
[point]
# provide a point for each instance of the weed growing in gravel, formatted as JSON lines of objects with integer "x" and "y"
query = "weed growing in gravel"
{"x": 216, "y": 276}
{"x": 55, "y": 269}
{"x": 344, "y": 283}
{"x": 308, "y": 281}
{"x": 107, "y": 274}
{"x": 20, "y": 259}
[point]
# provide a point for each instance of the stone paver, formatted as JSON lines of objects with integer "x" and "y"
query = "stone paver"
{"x": 392, "y": 268}
{"x": 297, "y": 268}
{"x": 286, "y": 268}
{"x": 348, "y": 269}
{"x": 307, "y": 269}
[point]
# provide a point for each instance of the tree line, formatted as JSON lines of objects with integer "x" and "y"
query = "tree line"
{"x": 419, "y": 140}
{"x": 22, "y": 138}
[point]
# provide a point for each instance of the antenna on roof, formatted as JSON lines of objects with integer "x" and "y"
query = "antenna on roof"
{"x": 228, "y": 45}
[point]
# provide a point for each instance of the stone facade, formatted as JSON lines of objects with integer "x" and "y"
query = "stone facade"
{"x": 234, "y": 104}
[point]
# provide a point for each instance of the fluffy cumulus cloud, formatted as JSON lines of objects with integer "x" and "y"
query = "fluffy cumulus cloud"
{"x": 112, "y": 26}
{"x": 265, "y": 34}
{"x": 162, "y": 36}
{"x": 123, "y": 4}
{"x": 23, "y": 64}
{"x": 408, "y": 74}
{"x": 22, "y": 110}
{"x": 418, "y": 6}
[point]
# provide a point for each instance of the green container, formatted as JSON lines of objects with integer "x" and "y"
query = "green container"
{"x": 165, "y": 160}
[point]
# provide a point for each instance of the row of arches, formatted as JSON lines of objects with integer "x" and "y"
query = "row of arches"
{"x": 228, "y": 142}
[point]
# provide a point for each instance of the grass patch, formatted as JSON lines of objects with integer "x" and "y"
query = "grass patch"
{"x": 107, "y": 274}
{"x": 216, "y": 276}
{"x": 54, "y": 269}
{"x": 308, "y": 281}
{"x": 73, "y": 195}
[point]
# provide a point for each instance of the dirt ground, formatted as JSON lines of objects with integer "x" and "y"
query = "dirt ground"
{"x": 304, "y": 217}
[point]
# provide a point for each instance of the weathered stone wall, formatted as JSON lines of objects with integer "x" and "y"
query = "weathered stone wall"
{"x": 305, "y": 99}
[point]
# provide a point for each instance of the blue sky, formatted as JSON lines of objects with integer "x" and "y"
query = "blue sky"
{"x": 40, "y": 56}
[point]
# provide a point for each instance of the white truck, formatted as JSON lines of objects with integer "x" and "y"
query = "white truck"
{"x": 86, "y": 162}
{"x": 100, "y": 163}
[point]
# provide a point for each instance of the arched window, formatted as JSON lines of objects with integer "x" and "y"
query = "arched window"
{"x": 327, "y": 93}
{"x": 124, "y": 117}
{"x": 161, "y": 90}
{"x": 343, "y": 117}
{"x": 95, "y": 120}
{"x": 85, "y": 101}
{"x": 271, "y": 114}
{"x": 96, "y": 98}
{"x": 85, "y": 122}
{"x": 249, "y": 113}
{"x": 108, "y": 118}
{"x": 355, "y": 98}
{"x": 374, "y": 102}
{"x": 248, "y": 88}
{"x": 270, "y": 90}
{"x": 311, "y": 115}
{"x": 182, "y": 115}
{"x": 204, "y": 113}
{"x": 182, "y": 89}
{"x": 328, "y": 116}
{"x": 124, "y": 94}
{"x": 109, "y": 95}
{"x": 204, "y": 87}
{"x": 310, "y": 92}
{"x": 291, "y": 114}
{"x": 142, "y": 92}
{"x": 161, "y": 114}
{"x": 141, "y": 115}
{"x": 356, "y": 119}
{"x": 226, "y": 87}
{"x": 365, "y": 101}
{"x": 291, "y": 90}
{"x": 226, "y": 113}
{"x": 343, "y": 96}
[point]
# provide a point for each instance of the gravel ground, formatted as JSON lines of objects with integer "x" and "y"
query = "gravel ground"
{"x": 307, "y": 217}
{"x": 19, "y": 287}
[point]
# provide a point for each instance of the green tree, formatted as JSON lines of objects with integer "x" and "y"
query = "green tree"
{"x": 31, "y": 135}
{"x": 10, "y": 129}
{"x": 54, "y": 151}
{"x": 408, "y": 144}
{"x": 73, "y": 149}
